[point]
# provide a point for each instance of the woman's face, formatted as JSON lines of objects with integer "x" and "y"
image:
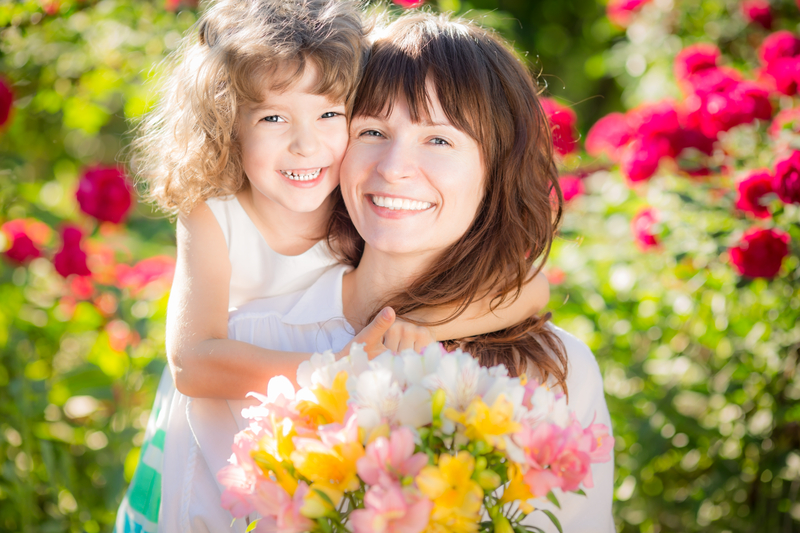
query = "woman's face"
{"x": 411, "y": 188}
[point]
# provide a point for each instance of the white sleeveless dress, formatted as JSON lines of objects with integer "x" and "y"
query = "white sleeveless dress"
{"x": 257, "y": 272}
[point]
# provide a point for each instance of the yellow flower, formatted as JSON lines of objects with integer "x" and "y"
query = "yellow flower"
{"x": 269, "y": 463}
{"x": 487, "y": 424}
{"x": 517, "y": 490}
{"x": 456, "y": 498}
{"x": 332, "y": 466}
{"x": 315, "y": 505}
{"x": 331, "y": 404}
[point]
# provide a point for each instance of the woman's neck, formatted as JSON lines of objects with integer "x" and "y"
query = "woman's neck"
{"x": 378, "y": 275}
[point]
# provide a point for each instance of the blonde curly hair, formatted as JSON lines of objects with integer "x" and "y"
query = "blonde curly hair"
{"x": 186, "y": 148}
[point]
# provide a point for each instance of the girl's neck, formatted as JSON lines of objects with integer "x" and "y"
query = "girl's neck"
{"x": 378, "y": 276}
{"x": 287, "y": 232}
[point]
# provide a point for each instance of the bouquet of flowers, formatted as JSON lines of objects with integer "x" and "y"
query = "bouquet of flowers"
{"x": 406, "y": 443}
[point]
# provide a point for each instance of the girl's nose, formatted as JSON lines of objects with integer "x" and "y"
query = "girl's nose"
{"x": 305, "y": 141}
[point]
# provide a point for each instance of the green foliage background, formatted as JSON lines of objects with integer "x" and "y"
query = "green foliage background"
{"x": 700, "y": 367}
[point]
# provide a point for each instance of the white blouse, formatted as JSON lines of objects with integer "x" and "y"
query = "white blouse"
{"x": 313, "y": 321}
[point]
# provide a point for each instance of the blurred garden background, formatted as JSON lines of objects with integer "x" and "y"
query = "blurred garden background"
{"x": 678, "y": 263}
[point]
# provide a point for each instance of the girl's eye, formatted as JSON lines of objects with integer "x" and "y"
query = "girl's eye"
{"x": 440, "y": 142}
{"x": 331, "y": 114}
{"x": 272, "y": 118}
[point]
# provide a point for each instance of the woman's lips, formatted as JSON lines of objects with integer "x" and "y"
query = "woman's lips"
{"x": 399, "y": 204}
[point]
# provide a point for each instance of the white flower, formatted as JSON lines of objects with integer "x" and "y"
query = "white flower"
{"x": 377, "y": 396}
{"x": 322, "y": 368}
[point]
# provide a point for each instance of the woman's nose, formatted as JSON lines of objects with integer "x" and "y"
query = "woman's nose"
{"x": 305, "y": 140}
{"x": 397, "y": 162}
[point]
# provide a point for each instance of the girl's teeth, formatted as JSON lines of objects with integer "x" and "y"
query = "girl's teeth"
{"x": 400, "y": 203}
{"x": 301, "y": 177}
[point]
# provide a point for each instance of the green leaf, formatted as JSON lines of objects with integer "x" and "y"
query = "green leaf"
{"x": 325, "y": 498}
{"x": 554, "y": 520}
{"x": 553, "y": 499}
{"x": 581, "y": 492}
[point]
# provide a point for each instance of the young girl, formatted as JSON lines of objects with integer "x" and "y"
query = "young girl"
{"x": 245, "y": 147}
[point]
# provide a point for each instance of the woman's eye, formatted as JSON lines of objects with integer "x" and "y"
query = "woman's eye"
{"x": 272, "y": 118}
{"x": 440, "y": 142}
{"x": 370, "y": 133}
{"x": 331, "y": 114}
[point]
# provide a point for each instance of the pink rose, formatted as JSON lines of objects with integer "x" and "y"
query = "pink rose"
{"x": 751, "y": 190}
{"x": 758, "y": 12}
{"x": 621, "y": 12}
{"x": 720, "y": 101}
{"x": 562, "y": 122}
{"x": 760, "y": 253}
{"x": 408, "y": 4}
{"x": 71, "y": 259}
{"x": 642, "y": 227}
{"x": 783, "y": 74}
{"x": 571, "y": 186}
{"x": 786, "y": 180}
{"x": 694, "y": 59}
{"x": 641, "y": 158}
{"x": 608, "y": 136}
{"x": 104, "y": 193}
{"x": 6, "y": 101}
{"x": 778, "y": 45}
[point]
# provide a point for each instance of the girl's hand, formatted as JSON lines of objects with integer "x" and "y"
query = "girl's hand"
{"x": 386, "y": 332}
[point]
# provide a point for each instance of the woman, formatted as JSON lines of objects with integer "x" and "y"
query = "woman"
{"x": 448, "y": 181}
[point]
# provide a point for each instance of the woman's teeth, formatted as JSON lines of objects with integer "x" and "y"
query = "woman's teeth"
{"x": 400, "y": 203}
{"x": 295, "y": 176}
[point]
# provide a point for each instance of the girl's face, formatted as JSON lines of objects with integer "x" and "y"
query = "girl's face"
{"x": 411, "y": 188}
{"x": 292, "y": 146}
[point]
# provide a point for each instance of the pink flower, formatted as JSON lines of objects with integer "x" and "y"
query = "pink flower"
{"x": 656, "y": 119}
{"x": 573, "y": 463}
{"x": 608, "y": 136}
{"x": 241, "y": 476}
{"x": 160, "y": 268}
{"x": 621, "y": 12}
{"x": 751, "y": 190}
{"x": 269, "y": 499}
{"x": 602, "y": 443}
{"x": 571, "y": 186}
{"x": 760, "y": 253}
{"x": 758, "y": 12}
{"x": 173, "y": 5}
{"x": 71, "y": 259}
{"x": 783, "y": 75}
{"x": 391, "y": 508}
{"x": 104, "y": 193}
{"x": 779, "y": 45}
{"x": 391, "y": 459}
{"x": 642, "y": 228}
{"x": 562, "y": 122}
{"x": 788, "y": 119}
{"x": 6, "y": 101}
{"x": 408, "y": 4}
{"x": 786, "y": 180}
{"x": 695, "y": 59}
{"x": 721, "y": 101}
{"x": 26, "y": 236}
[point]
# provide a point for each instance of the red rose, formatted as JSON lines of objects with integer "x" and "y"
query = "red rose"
{"x": 786, "y": 181}
{"x": 760, "y": 253}
{"x": 783, "y": 74}
{"x": 781, "y": 44}
{"x": 658, "y": 119}
{"x": 71, "y": 259}
{"x": 571, "y": 186}
{"x": 26, "y": 236}
{"x": 751, "y": 190}
{"x": 104, "y": 193}
{"x": 694, "y": 59}
{"x": 6, "y": 101}
{"x": 621, "y": 12}
{"x": 641, "y": 158}
{"x": 758, "y": 12}
{"x": 643, "y": 230}
{"x": 720, "y": 101}
{"x": 562, "y": 122}
{"x": 608, "y": 136}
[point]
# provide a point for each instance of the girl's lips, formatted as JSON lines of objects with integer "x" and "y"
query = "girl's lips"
{"x": 304, "y": 181}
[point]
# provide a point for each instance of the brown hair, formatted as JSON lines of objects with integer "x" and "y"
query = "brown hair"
{"x": 487, "y": 93}
{"x": 186, "y": 149}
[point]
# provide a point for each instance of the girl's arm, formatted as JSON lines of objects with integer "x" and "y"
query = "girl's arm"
{"x": 204, "y": 362}
{"x": 478, "y": 318}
